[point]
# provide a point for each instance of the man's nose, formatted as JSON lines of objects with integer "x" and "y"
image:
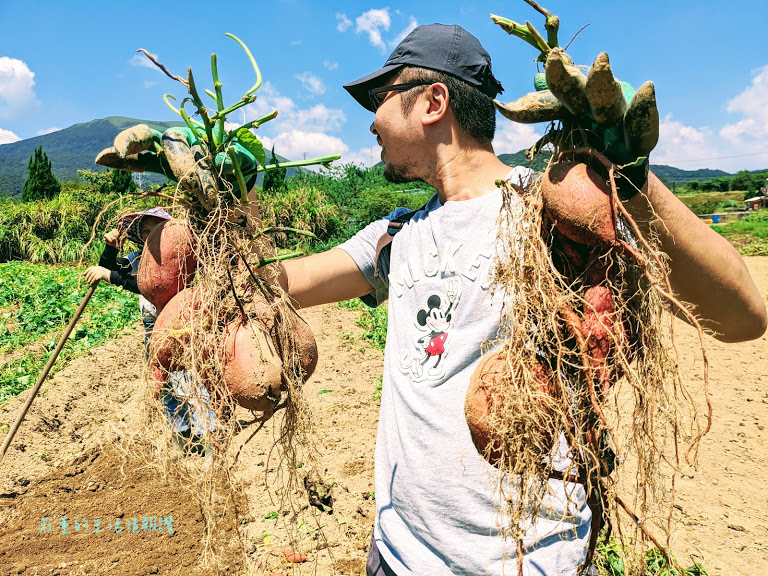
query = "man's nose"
{"x": 373, "y": 128}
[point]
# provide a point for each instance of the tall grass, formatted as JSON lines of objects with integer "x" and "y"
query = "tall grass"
{"x": 55, "y": 231}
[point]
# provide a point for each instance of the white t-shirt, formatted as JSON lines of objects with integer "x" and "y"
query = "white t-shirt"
{"x": 437, "y": 501}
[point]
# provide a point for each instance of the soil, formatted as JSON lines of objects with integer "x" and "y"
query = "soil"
{"x": 71, "y": 459}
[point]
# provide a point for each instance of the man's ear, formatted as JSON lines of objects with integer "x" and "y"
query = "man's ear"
{"x": 437, "y": 99}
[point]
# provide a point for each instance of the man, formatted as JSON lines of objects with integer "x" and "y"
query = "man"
{"x": 437, "y": 510}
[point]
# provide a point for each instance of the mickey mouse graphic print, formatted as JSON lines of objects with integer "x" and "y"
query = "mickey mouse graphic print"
{"x": 433, "y": 322}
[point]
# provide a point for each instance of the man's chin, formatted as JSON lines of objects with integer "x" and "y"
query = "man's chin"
{"x": 398, "y": 174}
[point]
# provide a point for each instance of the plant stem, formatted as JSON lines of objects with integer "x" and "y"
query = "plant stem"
{"x": 253, "y": 63}
{"x": 163, "y": 68}
{"x": 266, "y": 261}
{"x": 308, "y": 162}
{"x": 515, "y": 29}
{"x": 243, "y": 102}
{"x": 218, "y": 97}
{"x": 258, "y": 122}
{"x": 189, "y": 121}
{"x": 203, "y": 111}
{"x": 178, "y": 112}
{"x": 541, "y": 43}
{"x": 238, "y": 175}
{"x": 274, "y": 229}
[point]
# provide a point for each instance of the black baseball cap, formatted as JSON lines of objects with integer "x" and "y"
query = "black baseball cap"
{"x": 449, "y": 49}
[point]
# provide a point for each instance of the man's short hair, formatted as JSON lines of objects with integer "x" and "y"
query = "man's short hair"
{"x": 474, "y": 111}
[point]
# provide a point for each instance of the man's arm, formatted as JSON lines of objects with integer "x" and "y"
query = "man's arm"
{"x": 706, "y": 270}
{"x": 330, "y": 276}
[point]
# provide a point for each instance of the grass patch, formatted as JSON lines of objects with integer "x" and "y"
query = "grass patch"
{"x": 373, "y": 321}
{"x": 749, "y": 235}
{"x": 611, "y": 558}
{"x": 36, "y": 304}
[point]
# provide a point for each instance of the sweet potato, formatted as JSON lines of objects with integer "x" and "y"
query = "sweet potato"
{"x": 306, "y": 347}
{"x": 578, "y": 201}
{"x": 601, "y": 331}
{"x": 170, "y": 335}
{"x": 168, "y": 263}
{"x": 485, "y": 390}
{"x": 252, "y": 367}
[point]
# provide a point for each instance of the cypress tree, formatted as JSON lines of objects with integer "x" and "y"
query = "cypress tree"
{"x": 274, "y": 179}
{"x": 41, "y": 184}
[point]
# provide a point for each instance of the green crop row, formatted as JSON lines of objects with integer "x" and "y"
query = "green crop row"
{"x": 36, "y": 304}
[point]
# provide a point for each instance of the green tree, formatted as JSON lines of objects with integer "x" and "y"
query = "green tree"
{"x": 122, "y": 182}
{"x": 274, "y": 179}
{"x": 41, "y": 184}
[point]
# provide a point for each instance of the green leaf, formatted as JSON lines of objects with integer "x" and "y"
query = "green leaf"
{"x": 248, "y": 141}
{"x": 270, "y": 515}
{"x": 324, "y": 391}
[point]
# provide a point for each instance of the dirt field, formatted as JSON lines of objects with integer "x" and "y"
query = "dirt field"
{"x": 66, "y": 462}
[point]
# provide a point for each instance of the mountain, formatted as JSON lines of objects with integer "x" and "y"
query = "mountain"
{"x": 72, "y": 149}
{"x": 672, "y": 174}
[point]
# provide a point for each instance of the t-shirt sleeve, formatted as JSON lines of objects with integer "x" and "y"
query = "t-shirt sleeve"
{"x": 362, "y": 249}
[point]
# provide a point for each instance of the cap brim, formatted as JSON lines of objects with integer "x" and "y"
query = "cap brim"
{"x": 127, "y": 219}
{"x": 359, "y": 88}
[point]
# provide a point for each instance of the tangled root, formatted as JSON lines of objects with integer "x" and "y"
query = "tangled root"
{"x": 235, "y": 289}
{"x": 601, "y": 380}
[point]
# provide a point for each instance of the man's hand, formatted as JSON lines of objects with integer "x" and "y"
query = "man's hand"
{"x": 612, "y": 117}
{"x": 95, "y": 274}
{"x": 115, "y": 238}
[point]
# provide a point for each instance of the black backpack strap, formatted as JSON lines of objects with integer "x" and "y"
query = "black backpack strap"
{"x": 394, "y": 226}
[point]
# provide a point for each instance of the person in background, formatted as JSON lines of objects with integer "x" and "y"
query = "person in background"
{"x": 122, "y": 271}
{"x": 188, "y": 414}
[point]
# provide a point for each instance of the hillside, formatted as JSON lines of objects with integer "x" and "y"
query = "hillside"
{"x": 70, "y": 150}
{"x": 672, "y": 174}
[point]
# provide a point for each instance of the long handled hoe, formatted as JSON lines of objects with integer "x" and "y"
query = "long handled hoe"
{"x": 46, "y": 370}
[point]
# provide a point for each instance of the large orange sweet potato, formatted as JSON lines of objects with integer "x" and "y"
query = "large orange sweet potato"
{"x": 167, "y": 264}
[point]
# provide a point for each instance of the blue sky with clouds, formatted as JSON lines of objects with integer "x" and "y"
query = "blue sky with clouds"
{"x": 67, "y": 62}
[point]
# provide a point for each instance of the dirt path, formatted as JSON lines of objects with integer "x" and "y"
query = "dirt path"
{"x": 65, "y": 462}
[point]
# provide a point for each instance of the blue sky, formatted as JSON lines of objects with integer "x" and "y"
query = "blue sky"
{"x": 67, "y": 62}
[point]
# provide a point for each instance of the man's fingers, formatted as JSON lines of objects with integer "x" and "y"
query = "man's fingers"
{"x": 566, "y": 82}
{"x": 641, "y": 121}
{"x": 143, "y": 162}
{"x": 179, "y": 157}
{"x": 534, "y": 107}
{"x": 604, "y": 93}
{"x": 136, "y": 139}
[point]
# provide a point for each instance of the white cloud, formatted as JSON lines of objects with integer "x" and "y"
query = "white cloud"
{"x": 372, "y": 23}
{"x": 344, "y": 22}
{"x": 141, "y": 61}
{"x": 17, "y": 94}
{"x": 268, "y": 99}
{"x": 149, "y": 84}
{"x": 48, "y": 130}
{"x": 6, "y": 137}
{"x": 407, "y": 30}
{"x": 752, "y": 104}
{"x": 317, "y": 118}
{"x": 679, "y": 143}
{"x": 295, "y": 42}
{"x": 367, "y": 156}
{"x": 512, "y": 137}
{"x": 298, "y": 144}
{"x": 330, "y": 65}
{"x": 311, "y": 82}
{"x": 296, "y": 132}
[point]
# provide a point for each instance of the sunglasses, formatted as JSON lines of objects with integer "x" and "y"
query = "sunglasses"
{"x": 378, "y": 95}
